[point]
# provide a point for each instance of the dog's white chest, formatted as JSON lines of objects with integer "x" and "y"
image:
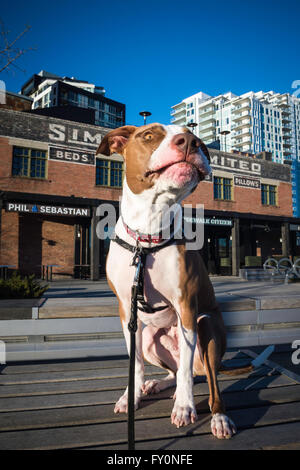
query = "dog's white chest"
{"x": 161, "y": 282}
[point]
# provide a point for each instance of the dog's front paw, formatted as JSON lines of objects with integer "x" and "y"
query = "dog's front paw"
{"x": 122, "y": 404}
{"x": 183, "y": 414}
{"x": 222, "y": 427}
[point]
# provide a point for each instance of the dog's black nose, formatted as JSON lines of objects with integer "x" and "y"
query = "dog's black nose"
{"x": 186, "y": 142}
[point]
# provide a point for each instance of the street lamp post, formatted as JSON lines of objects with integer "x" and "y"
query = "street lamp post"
{"x": 145, "y": 114}
{"x": 225, "y": 133}
{"x": 192, "y": 125}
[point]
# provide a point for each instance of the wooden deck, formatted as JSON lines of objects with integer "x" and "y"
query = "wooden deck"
{"x": 69, "y": 405}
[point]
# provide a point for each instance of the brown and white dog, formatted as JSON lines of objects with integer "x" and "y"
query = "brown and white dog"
{"x": 163, "y": 164}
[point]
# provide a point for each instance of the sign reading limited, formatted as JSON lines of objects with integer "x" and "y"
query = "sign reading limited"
{"x": 47, "y": 209}
{"x": 71, "y": 155}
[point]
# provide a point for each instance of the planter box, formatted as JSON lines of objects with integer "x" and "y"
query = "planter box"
{"x": 253, "y": 261}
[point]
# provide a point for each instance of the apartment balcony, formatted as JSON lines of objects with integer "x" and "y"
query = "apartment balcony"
{"x": 243, "y": 147}
{"x": 287, "y": 144}
{"x": 286, "y": 135}
{"x": 286, "y": 127}
{"x": 241, "y": 106}
{"x": 283, "y": 104}
{"x": 238, "y": 117}
{"x": 241, "y": 124}
{"x": 178, "y": 112}
{"x": 208, "y": 136}
{"x": 178, "y": 120}
{"x": 210, "y": 118}
{"x": 245, "y": 141}
{"x": 242, "y": 132}
{"x": 207, "y": 128}
{"x": 207, "y": 110}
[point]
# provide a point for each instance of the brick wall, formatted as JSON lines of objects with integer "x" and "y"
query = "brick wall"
{"x": 9, "y": 242}
{"x": 246, "y": 200}
{"x": 64, "y": 179}
{"x": 58, "y": 245}
{"x": 28, "y": 241}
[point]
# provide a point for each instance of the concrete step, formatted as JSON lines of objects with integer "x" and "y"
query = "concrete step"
{"x": 260, "y": 275}
{"x": 274, "y": 320}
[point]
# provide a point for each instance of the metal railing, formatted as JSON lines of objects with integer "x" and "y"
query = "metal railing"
{"x": 284, "y": 268}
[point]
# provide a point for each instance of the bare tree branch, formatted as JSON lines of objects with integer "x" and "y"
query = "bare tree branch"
{"x": 8, "y": 52}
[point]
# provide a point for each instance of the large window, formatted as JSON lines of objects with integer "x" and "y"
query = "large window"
{"x": 109, "y": 173}
{"x": 223, "y": 188}
{"x": 29, "y": 162}
{"x": 268, "y": 195}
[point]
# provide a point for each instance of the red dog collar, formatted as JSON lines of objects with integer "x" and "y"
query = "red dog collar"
{"x": 142, "y": 237}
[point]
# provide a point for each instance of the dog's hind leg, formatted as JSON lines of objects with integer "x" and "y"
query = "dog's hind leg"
{"x": 211, "y": 353}
{"x": 160, "y": 348}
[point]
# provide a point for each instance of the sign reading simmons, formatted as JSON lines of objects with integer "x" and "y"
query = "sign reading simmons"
{"x": 74, "y": 135}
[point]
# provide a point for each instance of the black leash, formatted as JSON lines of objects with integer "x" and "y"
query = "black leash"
{"x": 132, "y": 327}
{"x": 137, "y": 296}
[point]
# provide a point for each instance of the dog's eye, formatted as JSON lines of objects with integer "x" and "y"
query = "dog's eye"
{"x": 148, "y": 136}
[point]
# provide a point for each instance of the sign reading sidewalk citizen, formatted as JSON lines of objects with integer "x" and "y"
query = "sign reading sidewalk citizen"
{"x": 47, "y": 210}
{"x": 71, "y": 155}
{"x": 246, "y": 182}
{"x": 209, "y": 221}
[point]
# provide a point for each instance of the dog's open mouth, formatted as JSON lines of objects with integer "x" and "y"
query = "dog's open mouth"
{"x": 161, "y": 170}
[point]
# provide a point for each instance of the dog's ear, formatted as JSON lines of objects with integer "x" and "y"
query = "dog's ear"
{"x": 204, "y": 150}
{"x": 115, "y": 141}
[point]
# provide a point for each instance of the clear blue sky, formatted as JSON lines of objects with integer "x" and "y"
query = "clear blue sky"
{"x": 152, "y": 54}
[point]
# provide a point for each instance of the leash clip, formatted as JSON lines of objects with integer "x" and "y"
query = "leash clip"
{"x": 137, "y": 261}
{"x": 137, "y": 253}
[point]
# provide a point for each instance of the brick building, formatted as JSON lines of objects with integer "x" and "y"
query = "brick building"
{"x": 51, "y": 184}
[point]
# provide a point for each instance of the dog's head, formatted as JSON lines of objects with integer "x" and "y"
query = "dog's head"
{"x": 169, "y": 158}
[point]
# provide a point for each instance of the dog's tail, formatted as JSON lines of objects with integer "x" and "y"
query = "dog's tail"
{"x": 246, "y": 369}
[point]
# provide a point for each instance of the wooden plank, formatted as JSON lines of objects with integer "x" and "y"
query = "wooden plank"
{"x": 68, "y": 376}
{"x": 81, "y": 393}
{"x": 276, "y": 437}
{"x": 30, "y": 377}
{"x": 79, "y": 311}
{"x": 280, "y": 302}
{"x": 112, "y": 383}
{"x": 88, "y": 364}
{"x": 89, "y": 374}
{"x": 52, "y": 388}
{"x": 92, "y": 414}
{"x": 116, "y": 433}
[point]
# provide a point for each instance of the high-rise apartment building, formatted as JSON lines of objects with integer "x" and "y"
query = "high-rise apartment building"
{"x": 249, "y": 123}
{"x": 62, "y": 93}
